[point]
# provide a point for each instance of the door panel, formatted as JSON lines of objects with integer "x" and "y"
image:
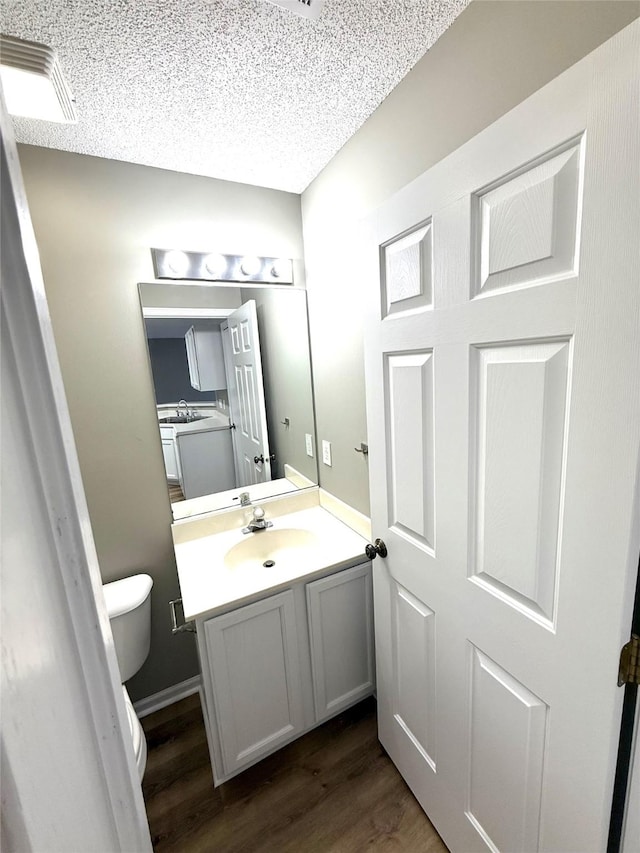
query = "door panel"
{"x": 518, "y": 413}
{"x": 410, "y": 452}
{"x": 406, "y": 271}
{"x": 526, "y": 225}
{"x": 414, "y": 700}
{"x": 504, "y": 712}
{"x": 502, "y": 355}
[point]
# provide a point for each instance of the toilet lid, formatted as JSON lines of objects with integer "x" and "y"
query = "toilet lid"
{"x": 126, "y": 594}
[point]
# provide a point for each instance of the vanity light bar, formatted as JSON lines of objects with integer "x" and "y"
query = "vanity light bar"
{"x": 208, "y": 266}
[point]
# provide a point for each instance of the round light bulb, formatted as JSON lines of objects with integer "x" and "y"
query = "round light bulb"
{"x": 214, "y": 265}
{"x": 250, "y": 266}
{"x": 281, "y": 269}
{"x": 177, "y": 263}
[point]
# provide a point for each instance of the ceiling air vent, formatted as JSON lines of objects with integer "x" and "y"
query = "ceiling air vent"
{"x": 33, "y": 83}
{"x": 305, "y": 8}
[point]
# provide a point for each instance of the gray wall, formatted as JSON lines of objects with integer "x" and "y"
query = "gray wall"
{"x": 493, "y": 56}
{"x": 95, "y": 221}
{"x": 170, "y": 370}
{"x": 167, "y": 295}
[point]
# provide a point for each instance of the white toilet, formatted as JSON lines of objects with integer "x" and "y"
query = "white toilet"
{"x": 129, "y": 607}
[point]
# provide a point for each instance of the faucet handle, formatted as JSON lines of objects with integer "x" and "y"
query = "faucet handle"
{"x": 258, "y": 513}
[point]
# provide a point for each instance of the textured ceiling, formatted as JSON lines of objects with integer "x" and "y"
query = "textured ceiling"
{"x": 233, "y": 89}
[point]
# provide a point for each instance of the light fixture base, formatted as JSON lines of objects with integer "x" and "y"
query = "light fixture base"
{"x": 178, "y": 265}
{"x": 310, "y": 9}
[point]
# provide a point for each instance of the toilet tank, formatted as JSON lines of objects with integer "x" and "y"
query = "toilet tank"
{"x": 129, "y": 608}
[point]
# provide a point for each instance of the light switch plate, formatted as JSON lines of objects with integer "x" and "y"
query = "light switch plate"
{"x": 308, "y": 441}
{"x": 326, "y": 452}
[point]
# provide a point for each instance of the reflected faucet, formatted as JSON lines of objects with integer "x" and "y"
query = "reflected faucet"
{"x": 245, "y": 500}
{"x": 258, "y": 522}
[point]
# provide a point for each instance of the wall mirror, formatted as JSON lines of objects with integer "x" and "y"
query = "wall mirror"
{"x": 231, "y": 371}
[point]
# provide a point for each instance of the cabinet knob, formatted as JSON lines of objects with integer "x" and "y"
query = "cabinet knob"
{"x": 378, "y": 548}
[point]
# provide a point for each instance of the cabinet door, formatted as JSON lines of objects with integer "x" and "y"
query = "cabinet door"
{"x": 192, "y": 358}
{"x": 255, "y": 673}
{"x": 205, "y": 359}
{"x": 341, "y": 632}
{"x": 170, "y": 459}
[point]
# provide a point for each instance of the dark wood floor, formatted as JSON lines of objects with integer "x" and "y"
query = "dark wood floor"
{"x": 175, "y": 492}
{"x": 334, "y": 790}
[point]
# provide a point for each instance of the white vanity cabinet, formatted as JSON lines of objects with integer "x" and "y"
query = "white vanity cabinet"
{"x": 205, "y": 359}
{"x": 274, "y": 669}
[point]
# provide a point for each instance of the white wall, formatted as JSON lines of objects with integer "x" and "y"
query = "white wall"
{"x": 95, "y": 221}
{"x": 493, "y": 56}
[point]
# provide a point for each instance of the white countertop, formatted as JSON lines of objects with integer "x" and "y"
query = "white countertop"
{"x": 208, "y": 584}
{"x": 215, "y": 420}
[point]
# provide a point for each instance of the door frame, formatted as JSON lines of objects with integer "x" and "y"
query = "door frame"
{"x": 624, "y": 827}
{"x": 75, "y": 587}
{"x": 631, "y": 828}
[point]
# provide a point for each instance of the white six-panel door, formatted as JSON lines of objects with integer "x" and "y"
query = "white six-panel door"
{"x": 251, "y": 439}
{"x": 504, "y": 423}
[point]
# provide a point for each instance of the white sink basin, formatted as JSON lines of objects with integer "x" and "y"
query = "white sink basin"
{"x": 271, "y": 545}
{"x": 218, "y": 566}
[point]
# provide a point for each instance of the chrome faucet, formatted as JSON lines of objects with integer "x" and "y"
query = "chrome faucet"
{"x": 258, "y": 522}
{"x": 186, "y": 409}
{"x": 245, "y": 500}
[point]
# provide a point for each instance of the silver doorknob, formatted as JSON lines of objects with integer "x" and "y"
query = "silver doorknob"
{"x": 378, "y": 548}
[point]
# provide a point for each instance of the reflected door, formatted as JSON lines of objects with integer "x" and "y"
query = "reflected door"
{"x": 504, "y": 413}
{"x": 243, "y": 363}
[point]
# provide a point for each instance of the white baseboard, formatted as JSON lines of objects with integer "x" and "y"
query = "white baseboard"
{"x": 167, "y": 696}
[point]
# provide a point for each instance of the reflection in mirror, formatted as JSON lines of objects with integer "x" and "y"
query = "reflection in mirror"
{"x": 232, "y": 377}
